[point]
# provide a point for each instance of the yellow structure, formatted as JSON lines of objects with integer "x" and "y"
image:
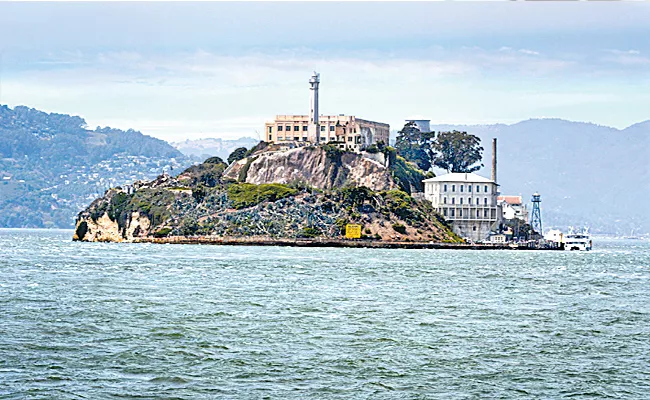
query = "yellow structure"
{"x": 350, "y": 132}
{"x": 352, "y": 231}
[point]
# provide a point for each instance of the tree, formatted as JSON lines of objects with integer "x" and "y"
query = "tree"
{"x": 416, "y": 146}
{"x": 457, "y": 152}
{"x": 237, "y": 154}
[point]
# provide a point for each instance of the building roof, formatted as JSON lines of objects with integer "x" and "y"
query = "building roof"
{"x": 460, "y": 177}
{"x": 515, "y": 200}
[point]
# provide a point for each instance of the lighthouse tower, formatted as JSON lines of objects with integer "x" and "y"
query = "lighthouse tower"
{"x": 313, "y": 128}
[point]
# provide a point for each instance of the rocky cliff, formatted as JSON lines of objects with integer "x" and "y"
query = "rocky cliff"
{"x": 322, "y": 167}
{"x": 280, "y": 196}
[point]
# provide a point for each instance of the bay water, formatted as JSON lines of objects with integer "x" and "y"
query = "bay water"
{"x": 145, "y": 321}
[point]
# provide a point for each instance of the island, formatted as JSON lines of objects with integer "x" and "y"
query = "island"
{"x": 275, "y": 194}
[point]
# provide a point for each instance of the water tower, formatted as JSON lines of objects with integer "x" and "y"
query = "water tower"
{"x": 536, "y": 216}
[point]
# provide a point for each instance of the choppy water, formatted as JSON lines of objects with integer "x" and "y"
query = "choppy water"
{"x": 96, "y": 321}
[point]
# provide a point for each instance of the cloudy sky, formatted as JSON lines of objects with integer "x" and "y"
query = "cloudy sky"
{"x": 192, "y": 70}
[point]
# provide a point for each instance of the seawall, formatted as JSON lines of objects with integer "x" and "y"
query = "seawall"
{"x": 376, "y": 244}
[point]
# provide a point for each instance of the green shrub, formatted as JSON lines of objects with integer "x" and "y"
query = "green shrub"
{"x": 397, "y": 227}
{"x": 245, "y": 195}
{"x": 310, "y": 232}
{"x": 243, "y": 173}
{"x": 118, "y": 205}
{"x": 199, "y": 193}
{"x": 188, "y": 227}
{"x": 162, "y": 233}
{"x": 214, "y": 160}
{"x": 407, "y": 175}
{"x": 400, "y": 204}
{"x": 340, "y": 224}
{"x": 356, "y": 196}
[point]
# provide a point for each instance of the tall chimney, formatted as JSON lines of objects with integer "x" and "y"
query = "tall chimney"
{"x": 494, "y": 159}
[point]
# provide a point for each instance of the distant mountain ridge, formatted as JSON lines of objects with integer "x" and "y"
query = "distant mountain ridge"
{"x": 586, "y": 173}
{"x": 52, "y": 164}
{"x": 30, "y": 132}
{"x": 210, "y": 147}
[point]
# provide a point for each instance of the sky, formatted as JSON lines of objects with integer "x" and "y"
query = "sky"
{"x": 181, "y": 71}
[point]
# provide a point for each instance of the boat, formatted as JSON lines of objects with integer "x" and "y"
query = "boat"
{"x": 577, "y": 241}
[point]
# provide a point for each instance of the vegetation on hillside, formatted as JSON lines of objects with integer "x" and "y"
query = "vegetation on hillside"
{"x": 245, "y": 195}
{"x": 55, "y": 165}
{"x": 237, "y": 154}
{"x": 453, "y": 151}
{"x": 416, "y": 146}
{"x": 406, "y": 174}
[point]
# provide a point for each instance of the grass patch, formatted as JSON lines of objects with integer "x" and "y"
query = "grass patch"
{"x": 245, "y": 195}
{"x": 164, "y": 232}
{"x": 310, "y": 232}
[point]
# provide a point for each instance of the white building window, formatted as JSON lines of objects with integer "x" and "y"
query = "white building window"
{"x": 444, "y": 200}
{"x": 445, "y": 188}
{"x": 485, "y": 201}
{"x": 461, "y": 188}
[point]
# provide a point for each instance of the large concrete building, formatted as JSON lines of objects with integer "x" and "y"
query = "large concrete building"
{"x": 347, "y": 131}
{"x": 468, "y": 201}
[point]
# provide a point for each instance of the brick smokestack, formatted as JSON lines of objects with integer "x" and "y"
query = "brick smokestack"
{"x": 494, "y": 159}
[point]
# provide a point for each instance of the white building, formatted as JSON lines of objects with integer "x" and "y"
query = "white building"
{"x": 513, "y": 207}
{"x": 467, "y": 201}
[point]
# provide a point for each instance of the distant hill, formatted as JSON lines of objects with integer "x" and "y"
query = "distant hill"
{"x": 51, "y": 165}
{"x": 586, "y": 173}
{"x": 202, "y": 149}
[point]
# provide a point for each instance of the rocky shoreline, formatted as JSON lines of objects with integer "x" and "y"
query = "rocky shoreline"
{"x": 341, "y": 243}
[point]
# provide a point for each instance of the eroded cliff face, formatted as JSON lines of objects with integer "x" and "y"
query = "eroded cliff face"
{"x": 312, "y": 165}
{"x": 103, "y": 229}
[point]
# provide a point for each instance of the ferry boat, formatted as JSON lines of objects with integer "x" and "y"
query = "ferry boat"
{"x": 577, "y": 241}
